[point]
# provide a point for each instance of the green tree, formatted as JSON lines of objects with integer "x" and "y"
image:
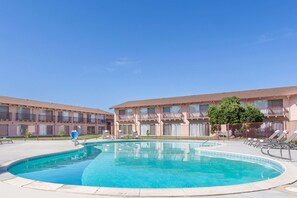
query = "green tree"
{"x": 228, "y": 112}
{"x": 214, "y": 114}
{"x": 251, "y": 114}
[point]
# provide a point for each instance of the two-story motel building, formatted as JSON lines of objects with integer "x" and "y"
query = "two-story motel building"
{"x": 48, "y": 119}
{"x": 187, "y": 115}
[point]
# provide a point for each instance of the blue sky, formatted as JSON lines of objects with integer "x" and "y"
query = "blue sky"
{"x": 99, "y": 53}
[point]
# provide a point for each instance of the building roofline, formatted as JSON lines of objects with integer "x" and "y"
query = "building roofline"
{"x": 212, "y": 97}
{"x": 49, "y": 105}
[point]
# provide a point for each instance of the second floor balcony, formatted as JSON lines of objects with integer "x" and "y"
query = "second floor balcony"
{"x": 5, "y": 116}
{"x": 273, "y": 111}
{"x": 46, "y": 118}
{"x": 91, "y": 120}
{"x": 25, "y": 117}
{"x": 172, "y": 116}
{"x": 148, "y": 117}
{"x": 101, "y": 121}
{"x": 198, "y": 115}
{"x": 64, "y": 119}
{"x": 126, "y": 118}
{"x": 78, "y": 120}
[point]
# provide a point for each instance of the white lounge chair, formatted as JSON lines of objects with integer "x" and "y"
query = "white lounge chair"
{"x": 280, "y": 139}
{"x": 286, "y": 144}
{"x": 107, "y": 135}
{"x": 247, "y": 141}
{"x": 271, "y": 138}
{"x": 120, "y": 135}
{"x": 5, "y": 139}
{"x": 135, "y": 135}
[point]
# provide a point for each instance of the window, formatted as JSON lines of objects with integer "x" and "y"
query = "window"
{"x": 148, "y": 113}
{"x": 46, "y": 112}
{"x": 45, "y": 115}
{"x": 194, "y": 108}
{"x": 91, "y": 129}
{"x": 126, "y": 112}
{"x": 122, "y": 112}
{"x": 3, "y": 130}
{"x": 4, "y": 109}
{"x": 166, "y": 109}
{"x": 172, "y": 112}
{"x": 45, "y": 130}
{"x": 64, "y": 116}
{"x": 91, "y": 118}
{"x": 23, "y": 110}
{"x": 101, "y": 129}
{"x": 269, "y": 107}
{"x": 172, "y": 109}
{"x": 65, "y": 113}
{"x": 199, "y": 129}
{"x": 203, "y": 107}
{"x": 75, "y": 117}
{"x": 147, "y": 110}
{"x": 4, "y": 112}
{"x": 126, "y": 128}
{"x": 24, "y": 113}
{"x": 275, "y": 103}
{"x": 172, "y": 129}
{"x": 21, "y": 129}
{"x": 198, "y": 107}
{"x": 261, "y": 104}
{"x": 144, "y": 128}
{"x": 101, "y": 119}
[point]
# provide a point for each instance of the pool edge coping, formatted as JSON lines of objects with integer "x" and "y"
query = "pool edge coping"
{"x": 287, "y": 177}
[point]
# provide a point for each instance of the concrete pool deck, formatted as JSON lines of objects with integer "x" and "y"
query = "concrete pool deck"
{"x": 11, "y": 186}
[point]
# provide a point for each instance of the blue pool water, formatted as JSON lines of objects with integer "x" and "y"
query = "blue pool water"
{"x": 145, "y": 164}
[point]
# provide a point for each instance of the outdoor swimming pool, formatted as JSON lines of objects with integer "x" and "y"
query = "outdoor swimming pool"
{"x": 147, "y": 164}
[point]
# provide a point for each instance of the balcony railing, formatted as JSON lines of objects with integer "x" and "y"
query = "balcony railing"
{"x": 172, "y": 116}
{"x": 148, "y": 116}
{"x": 5, "y": 116}
{"x": 78, "y": 120}
{"x": 273, "y": 111}
{"x": 64, "y": 119}
{"x": 25, "y": 117}
{"x": 101, "y": 121}
{"x": 198, "y": 115}
{"x": 91, "y": 120}
{"x": 46, "y": 118}
{"x": 128, "y": 117}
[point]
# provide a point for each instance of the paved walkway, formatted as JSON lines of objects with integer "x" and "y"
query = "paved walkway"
{"x": 22, "y": 149}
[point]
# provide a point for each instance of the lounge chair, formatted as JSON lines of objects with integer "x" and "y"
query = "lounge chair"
{"x": 247, "y": 141}
{"x": 287, "y": 144}
{"x": 278, "y": 140}
{"x": 107, "y": 135}
{"x": 74, "y": 137}
{"x": 135, "y": 135}
{"x": 5, "y": 139}
{"x": 120, "y": 135}
{"x": 252, "y": 141}
{"x": 268, "y": 140}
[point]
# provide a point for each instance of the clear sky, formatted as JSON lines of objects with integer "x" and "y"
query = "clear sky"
{"x": 99, "y": 53}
